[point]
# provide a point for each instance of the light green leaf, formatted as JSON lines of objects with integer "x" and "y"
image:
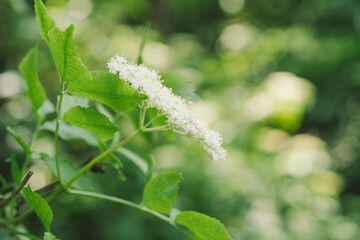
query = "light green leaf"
{"x": 24, "y": 146}
{"x": 67, "y": 172}
{"x": 142, "y": 45}
{"x": 15, "y": 170}
{"x": 35, "y": 92}
{"x": 161, "y": 191}
{"x": 180, "y": 85}
{"x": 49, "y": 236}
{"x": 91, "y": 120}
{"x": 202, "y": 226}
{"x": 69, "y": 132}
{"x": 45, "y": 21}
{"x": 40, "y": 206}
{"x": 108, "y": 89}
{"x": 70, "y": 101}
{"x": 64, "y": 53}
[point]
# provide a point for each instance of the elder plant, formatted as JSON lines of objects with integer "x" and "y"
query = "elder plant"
{"x": 126, "y": 87}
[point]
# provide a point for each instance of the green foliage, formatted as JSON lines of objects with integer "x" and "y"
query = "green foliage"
{"x": 15, "y": 170}
{"x": 40, "y": 206}
{"x": 108, "y": 89}
{"x": 49, "y": 236}
{"x": 24, "y": 146}
{"x": 36, "y": 92}
{"x": 46, "y": 23}
{"x": 202, "y": 226}
{"x": 67, "y": 171}
{"x": 91, "y": 120}
{"x": 161, "y": 191}
{"x": 180, "y": 85}
{"x": 64, "y": 53}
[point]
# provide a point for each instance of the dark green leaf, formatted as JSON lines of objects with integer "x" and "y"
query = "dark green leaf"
{"x": 180, "y": 85}
{"x": 15, "y": 170}
{"x": 150, "y": 162}
{"x": 136, "y": 159}
{"x": 25, "y": 147}
{"x": 114, "y": 160}
{"x": 108, "y": 89}
{"x": 45, "y": 21}
{"x": 202, "y": 226}
{"x": 35, "y": 92}
{"x": 161, "y": 191}
{"x": 134, "y": 118}
{"x": 69, "y": 132}
{"x": 64, "y": 53}
{"x": 67, "y": 172}
{"x": 49, "y": 236}
{"x": 91, "y": 120}
{"x": 40, "y": 206}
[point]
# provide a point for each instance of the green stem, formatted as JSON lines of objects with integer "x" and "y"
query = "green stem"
{"x": 98, "y": 158}
{"x": 121, "y": 201}
{"x": 154, "y": 129}
{"x": 56, "y": 136}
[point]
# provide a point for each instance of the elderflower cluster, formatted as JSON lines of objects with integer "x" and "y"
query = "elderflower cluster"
{"x": 148, "y": 82}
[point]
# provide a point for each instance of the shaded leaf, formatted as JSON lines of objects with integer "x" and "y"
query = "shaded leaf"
{"x": 142, "y": 45}
{"x": 15, "y": 170}
{"x": 67, "y": 172}
{"x": 91, "y": 120}
{"x": 24, "y": 146}
{"x": 114, "y": 160}
{"x": 161, "y": 191}
{"x": 202, "y": 226}
{"x": 179, "y": 85}
{"x": 35, "y": 92}
{"x": 70, "y": 101}
{"x": 64, "y": 53}
{"x": 69, "y": 132}
{"x": 40, "y": 206}
{"x": 108, "y": 89}
{"x": 136, "y": 159}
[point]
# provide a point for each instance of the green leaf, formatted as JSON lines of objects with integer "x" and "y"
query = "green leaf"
{"x": 35, "y": 92}
{"x": 40, "y": 206}
{"x": 49, "y": 236}
{"x": 69, "y": 132}
{"x": 45, "y": 21}
{"x": 91, "y": 120}
{"x": 24, "y": 146}
{"x": 108, "y": 89}
{"x": 136, "y": 159}
{"x": 15, "y": 170}
{"x": 64, "y": 53}
{"x": 142, "y": 45}
{"x": 67, "y": 172}
{"x": 180, "y": 85}
{"x": 202, "y": 226}
{"x": 70, "y": 101}
{"x": 161, "y": 191}
{"x": 114, "y": 160}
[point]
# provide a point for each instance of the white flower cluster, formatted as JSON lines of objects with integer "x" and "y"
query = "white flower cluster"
{"x": 148, "y": 82}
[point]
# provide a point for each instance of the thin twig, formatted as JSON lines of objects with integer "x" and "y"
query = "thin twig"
{"x": 16, "y": 192}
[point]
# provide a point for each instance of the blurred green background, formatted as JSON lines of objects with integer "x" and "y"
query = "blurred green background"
{"x": 279, "y": 79}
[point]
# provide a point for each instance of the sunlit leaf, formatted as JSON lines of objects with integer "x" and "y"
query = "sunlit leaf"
{"x": 35, "y": 92}
{"x": 24, "y": 146}
{"x": 161, "y": 191}
{"x": 45, "y": 21}
{"x": 202, "y": 226}
{"x": 49, "y": 236}
{"x": 40, "y": 206}
{"x": 108, "y": 89}
{"x": 91, "y": 120}
{"x": 65, "y": 56}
